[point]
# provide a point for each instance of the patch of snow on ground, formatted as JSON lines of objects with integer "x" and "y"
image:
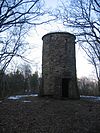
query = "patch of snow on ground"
{"x": 26, "y": 101}
{"x": 97, "y": 98}
{"x": 21, "y": 96}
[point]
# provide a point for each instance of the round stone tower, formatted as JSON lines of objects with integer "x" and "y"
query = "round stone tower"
{"x": 59, "y": 65}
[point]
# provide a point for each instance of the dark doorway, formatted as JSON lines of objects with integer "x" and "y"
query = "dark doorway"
{"x": 65, "y": 87}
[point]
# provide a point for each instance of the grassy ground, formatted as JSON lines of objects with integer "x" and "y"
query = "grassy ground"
{"x": 47, "y": 115}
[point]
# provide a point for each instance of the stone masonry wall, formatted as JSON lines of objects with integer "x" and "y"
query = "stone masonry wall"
{"x": 58, "y": 62}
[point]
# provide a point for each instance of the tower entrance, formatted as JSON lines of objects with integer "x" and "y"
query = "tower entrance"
{"x": 65, "y": 87}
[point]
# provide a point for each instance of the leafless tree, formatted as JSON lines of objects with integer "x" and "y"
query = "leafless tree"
{"x": 87, "y": 86}
{"x": 27, "y": 72}
{"x": 83, "y": 16}
{"x": 16, "y": 17}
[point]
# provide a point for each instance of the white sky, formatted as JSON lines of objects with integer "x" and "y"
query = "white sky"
{"x": 35, "y": 54}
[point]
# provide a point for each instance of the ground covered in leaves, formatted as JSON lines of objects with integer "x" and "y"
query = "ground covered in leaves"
{"x": 48, "y": 115}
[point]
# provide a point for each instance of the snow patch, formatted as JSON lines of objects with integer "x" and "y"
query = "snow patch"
{"x": 26, "y": 101}
{"x": 21, "y": 96}
{"x": 96, "y": 98}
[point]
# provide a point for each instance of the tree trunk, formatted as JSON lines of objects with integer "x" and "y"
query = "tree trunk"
{"x": 99, "y": 86}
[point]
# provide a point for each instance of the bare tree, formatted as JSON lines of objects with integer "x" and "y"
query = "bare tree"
{"x": 87, "y": 86}
{"x": 83, "y": 16}
{"x": 16, "y": 17}
{"x": 16, "y": 12}
{"x": 26, "y": 70}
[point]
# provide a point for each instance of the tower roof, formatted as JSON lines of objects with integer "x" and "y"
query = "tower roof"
{"x": 59, "y": 33}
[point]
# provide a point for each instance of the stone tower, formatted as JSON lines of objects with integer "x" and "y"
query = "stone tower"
{"x": 59, "y": 66}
